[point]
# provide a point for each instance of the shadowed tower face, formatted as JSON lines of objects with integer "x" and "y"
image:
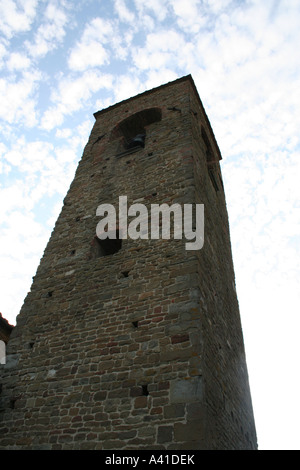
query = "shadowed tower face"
{"x": 133, "y": 343}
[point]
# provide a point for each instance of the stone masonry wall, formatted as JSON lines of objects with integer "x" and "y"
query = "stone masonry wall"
{"x": 143, "y": 348}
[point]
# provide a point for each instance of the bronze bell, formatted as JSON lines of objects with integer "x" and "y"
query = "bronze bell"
{"x": 137, "y": 141}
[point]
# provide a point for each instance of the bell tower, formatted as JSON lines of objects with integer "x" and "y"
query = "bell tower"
{"x": 133, "y": 342}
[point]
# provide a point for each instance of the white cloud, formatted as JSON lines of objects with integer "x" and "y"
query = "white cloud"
{"x": 127, "y": 86}
{"x": 18, "y": 61}
{"x": 3, "y": 52}
{"x": 157, "y": 77}
{"x": 72, "y": 94}
{"x": 16, "y": 16}
{"x": 4, "y": 168}
{"x": 10, "y": 198}
{"x": 77, "y": 136}
{"x": 190, "y": 16}
{"x": 55, "y": 211}
{"x": 83, "y": 131}
{"x": 50, "y": 33}
{"x": 22, "y": 241}
{"x": 104, "y": 103}
{"x": 217, "y": 6}
{"x": 53, "y": 117}
{"x": 161, "y": 50}
{"x": 121, "y": 44}
{"x": 63, "y": 133}
{"x": 90, "y": 50}
{"x": 17, "y": 98}
{"x": 158, "y": 7}
{"x": 123, "y": 12}
{"x": 85, "y": 55}
{"x": 44, "y": 168}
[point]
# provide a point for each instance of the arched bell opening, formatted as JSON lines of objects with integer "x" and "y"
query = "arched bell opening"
{"x": 132, "y": 131}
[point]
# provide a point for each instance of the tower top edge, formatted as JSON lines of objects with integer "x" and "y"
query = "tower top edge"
{"x": 146, "y": 92}
{"x": 185, "y": 78}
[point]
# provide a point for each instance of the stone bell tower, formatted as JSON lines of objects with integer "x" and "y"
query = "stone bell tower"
{"x": 133, "y": 343}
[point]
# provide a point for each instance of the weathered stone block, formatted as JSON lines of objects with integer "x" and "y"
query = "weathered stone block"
{"x": 187, "y": 390}
{"x": 174, "y": 411}
{"x": 141, "y": 402}
{"x": 164, "y": 434}
{"x": 189, "y": 432}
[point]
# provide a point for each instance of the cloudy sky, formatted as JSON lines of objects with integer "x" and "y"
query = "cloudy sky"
{"x": 62, "y": 60}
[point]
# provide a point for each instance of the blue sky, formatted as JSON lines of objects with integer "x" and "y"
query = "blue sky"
{"x": 63, "y": 60}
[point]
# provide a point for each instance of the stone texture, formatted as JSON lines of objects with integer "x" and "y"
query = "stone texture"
{"x": 142, "y": 348}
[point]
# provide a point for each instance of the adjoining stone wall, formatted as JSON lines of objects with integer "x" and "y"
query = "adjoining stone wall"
{"x": 143, "y": 348}
{"x": 5, "y": 329}
{"x": 5, "y": 332}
